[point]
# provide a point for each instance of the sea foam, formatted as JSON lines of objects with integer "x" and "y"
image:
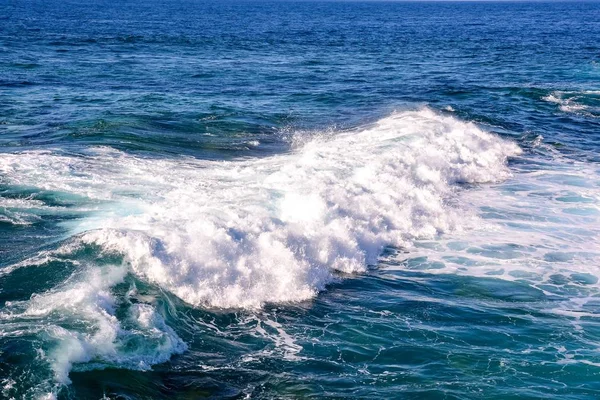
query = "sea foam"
{"x": 585, "y": 102}
{"x": 244, "y": 233}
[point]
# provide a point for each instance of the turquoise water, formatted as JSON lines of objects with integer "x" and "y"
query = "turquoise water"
{"x": 299, "y": 200}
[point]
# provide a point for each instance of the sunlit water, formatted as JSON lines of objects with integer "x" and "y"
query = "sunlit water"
{"x": 295, "y": 200}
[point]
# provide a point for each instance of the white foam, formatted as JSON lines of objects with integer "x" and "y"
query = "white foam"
{"x": 541, "y": 227}
{"x": 585, "y": 102}
{"x": 284, "y": 345}
{"x": 246, "y": 232}
{"x": 21, "y": 211}
{"x": 78, "y": 319}
{"x": 89, "y": 301}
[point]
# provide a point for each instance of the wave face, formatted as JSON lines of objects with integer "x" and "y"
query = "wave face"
{"x": 231, "y": 234}
{"x": 249, "y": 232}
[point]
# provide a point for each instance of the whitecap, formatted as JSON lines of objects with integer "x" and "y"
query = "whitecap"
{"x": 277, "y": 229}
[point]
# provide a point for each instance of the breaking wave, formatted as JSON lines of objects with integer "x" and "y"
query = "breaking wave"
{"x": 236, "y": 234}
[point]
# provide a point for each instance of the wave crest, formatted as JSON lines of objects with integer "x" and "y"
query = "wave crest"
{"x": 247, "y": 232}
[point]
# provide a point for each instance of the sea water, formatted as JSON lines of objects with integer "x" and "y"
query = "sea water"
{"x": 261, "y": 199}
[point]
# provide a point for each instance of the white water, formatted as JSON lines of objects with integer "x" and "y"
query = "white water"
{"x": 541, "y": 228}
{"x": 242, "y": 233}
{"x": 247, "y": 232}
{"x": 586, "y": 102}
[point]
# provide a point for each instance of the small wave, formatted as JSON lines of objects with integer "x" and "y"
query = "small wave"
{"x": 586, "y": 102}
{"x": 78, "y": 321}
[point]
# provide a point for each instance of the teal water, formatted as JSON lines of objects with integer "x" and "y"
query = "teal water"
{"x": 205, "y": 199}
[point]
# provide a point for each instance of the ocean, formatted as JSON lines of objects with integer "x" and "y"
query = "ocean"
{"x": 299, "y": 199}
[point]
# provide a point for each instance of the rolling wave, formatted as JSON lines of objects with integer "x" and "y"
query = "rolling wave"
{"x": 238, "y": 234}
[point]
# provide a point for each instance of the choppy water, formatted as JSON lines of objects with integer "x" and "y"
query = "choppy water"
{"x": 299, "y": 199}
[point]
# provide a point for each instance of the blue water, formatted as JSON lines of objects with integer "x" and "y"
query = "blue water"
{"x": 261, "y": 199}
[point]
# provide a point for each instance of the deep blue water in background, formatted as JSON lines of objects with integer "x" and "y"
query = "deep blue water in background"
{"x": 194, "y": 196}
